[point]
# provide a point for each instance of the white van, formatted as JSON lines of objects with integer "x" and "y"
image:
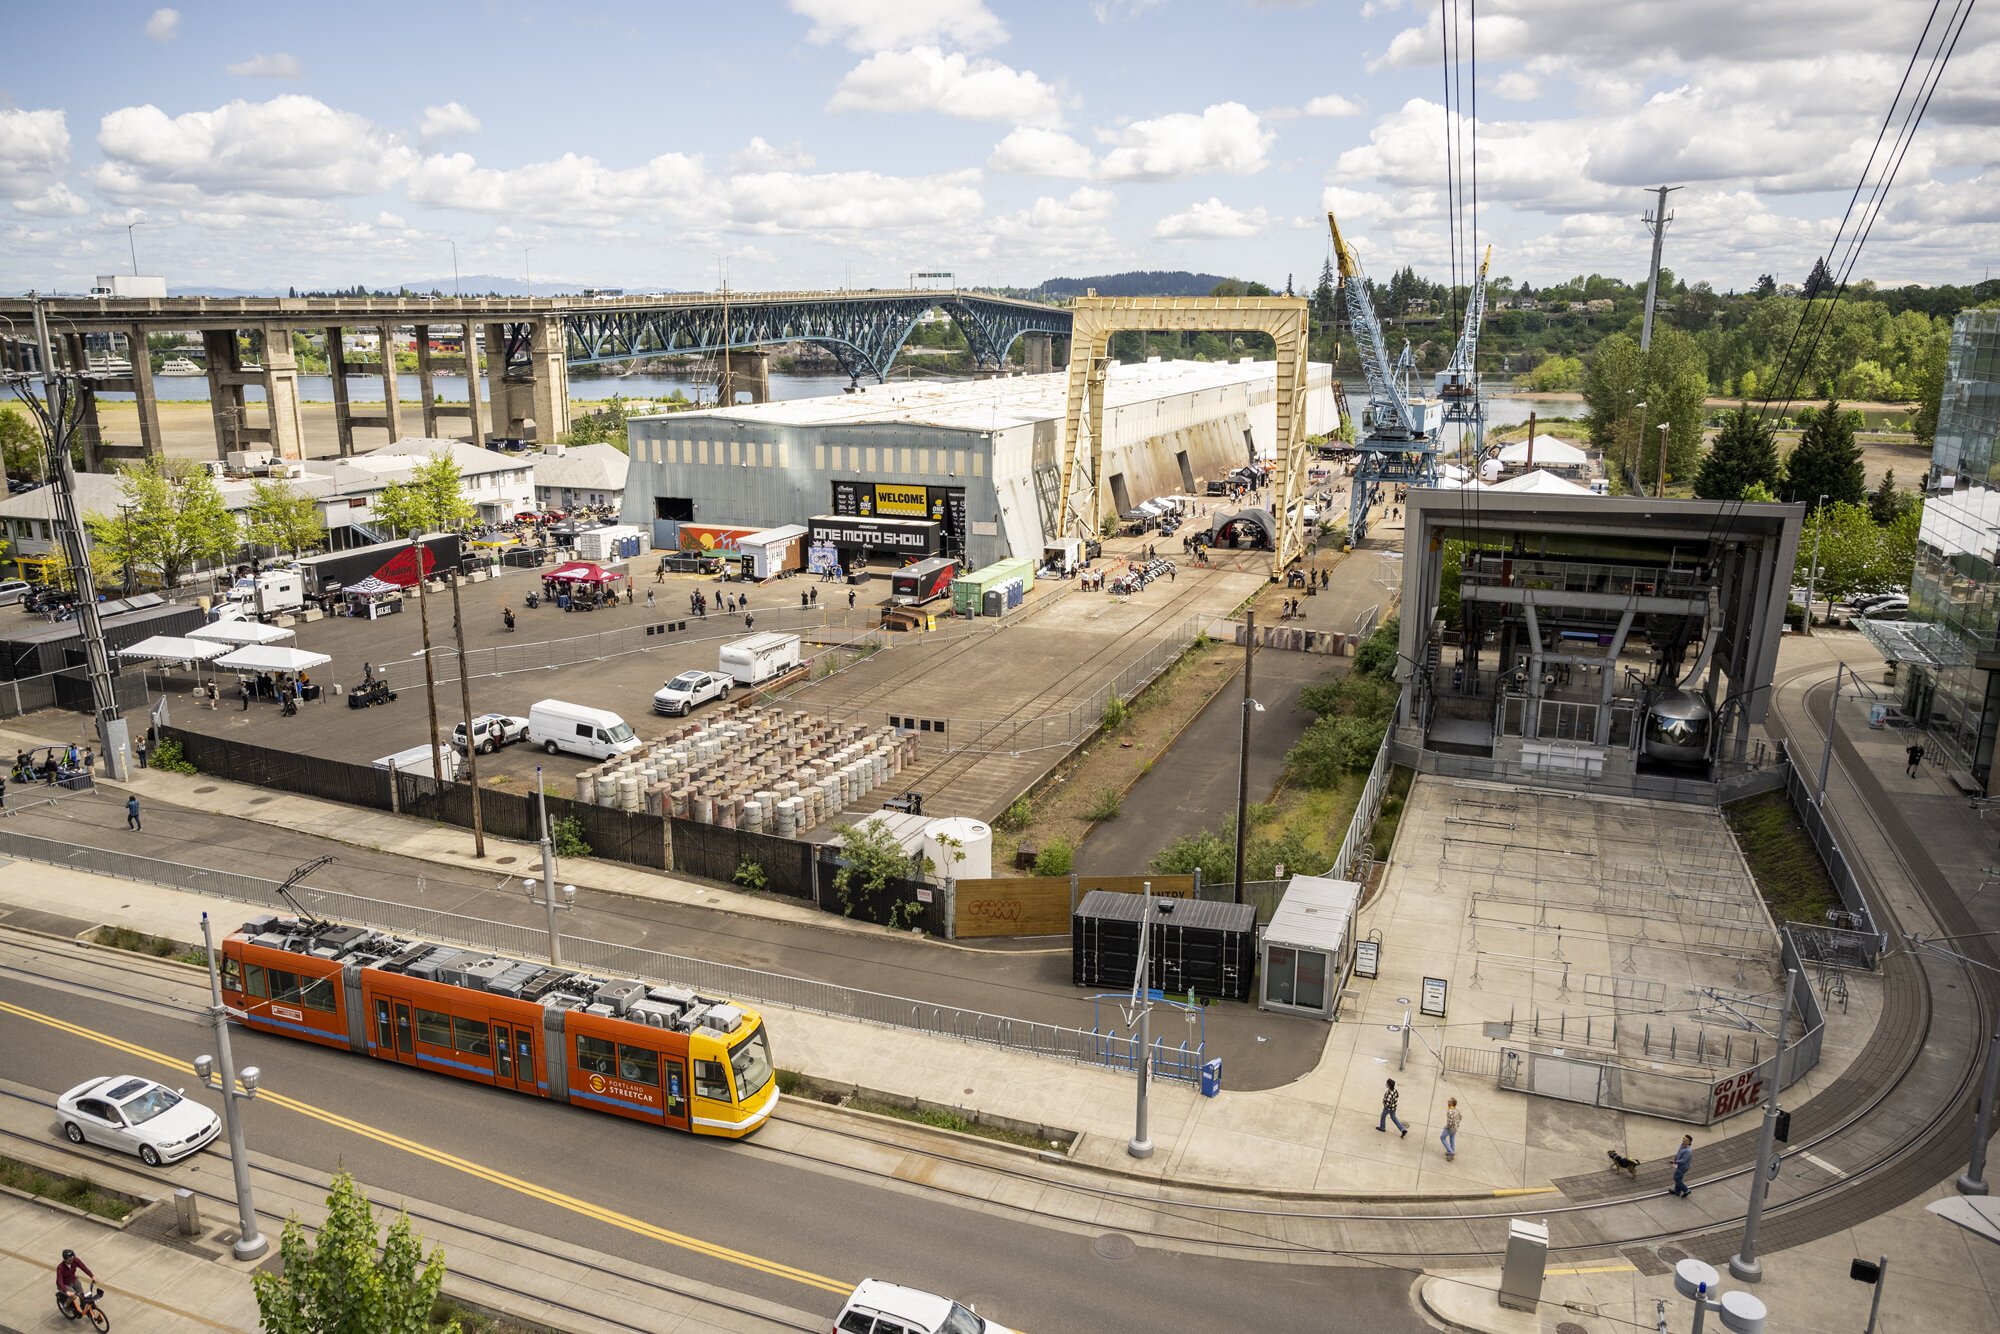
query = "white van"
{"x": 595, "y": 734}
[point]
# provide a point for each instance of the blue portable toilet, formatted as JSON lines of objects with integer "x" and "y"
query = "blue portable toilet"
{"x": 1211, "y": 1078}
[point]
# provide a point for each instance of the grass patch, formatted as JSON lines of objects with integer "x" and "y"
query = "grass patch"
{"x": 939, "y": 1119}
{"x": 1783, "y": 861}
{"x": 76, "y": 1192}
{"x": 1104, "y": 806}
{"x": 138, "y": 942}
{"x": 444, "y": 1311}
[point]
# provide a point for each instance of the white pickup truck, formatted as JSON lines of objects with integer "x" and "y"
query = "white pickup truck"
{"x": 492, "y": 731}
{"x": 684, "y": 692}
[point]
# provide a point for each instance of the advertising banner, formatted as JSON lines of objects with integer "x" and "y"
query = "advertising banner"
{"x": 708, "y": 537}
{"x": 911, "y": 502}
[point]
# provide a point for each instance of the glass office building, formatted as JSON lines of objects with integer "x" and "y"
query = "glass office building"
{"x": 1952, "y": 638}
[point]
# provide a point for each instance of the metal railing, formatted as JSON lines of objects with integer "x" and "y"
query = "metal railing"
{"x": 1077, "y": 1045}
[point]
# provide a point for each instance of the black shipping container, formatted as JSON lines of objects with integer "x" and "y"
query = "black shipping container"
{"x": 1209, "y": 948}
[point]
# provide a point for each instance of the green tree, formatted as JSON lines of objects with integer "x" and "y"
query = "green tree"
{"x": 1852, "y": 553}
{"x": 1757, "y": 493}
{"x": 172, "y": 519}
{"x": 1208, "y": 851}
{"x": 432, "y": 501}
{"x": 1613, "y": 384}
{"x": 347, "y": 1283}
{"x": 608, "y": 424}
{"x": 21, "y": 445}
{"x": 1885, "y": 502}
{"x": 1324, "y": 312}
{"x": 1675, "y": 393}
{"x": 282, "y": 517}
{"x": 1745, "y": 454}
{"x": 872, "y": 863}
{"x": 1826, "y": 461}
{"x": 1555, "y": 375}
{"x": 1932, "y": 369}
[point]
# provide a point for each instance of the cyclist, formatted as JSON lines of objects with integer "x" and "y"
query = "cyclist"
{"x": 67, "y": 1281}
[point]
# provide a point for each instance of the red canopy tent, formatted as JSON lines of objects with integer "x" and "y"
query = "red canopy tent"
{"x": 581, "y": 572}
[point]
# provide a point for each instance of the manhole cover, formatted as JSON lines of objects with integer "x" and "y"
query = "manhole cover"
{"x": 1571, "y": 1327}
{"x": 503, "y": 861}
{"x": 1114, "y": 1246}
{"x": 1673, "y": 1255}
{"x": 208, "y": 788}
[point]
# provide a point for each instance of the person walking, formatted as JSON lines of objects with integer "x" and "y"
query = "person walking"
{"x": 649, "y": 599}
{"x": 749, "y": 622}
{"x": 1452, "y": 1118}
{"x": 815, "y": 597}
{"x": 629, "y": 594}
{"x": 3, "y": 792}
{"x": 850, "y": 599}
{"x": 1915, "y": 753}
{"x": 132, "y": 813}
{"x": 1683, "y": 1160}
{"x": 1389, "y": 1099}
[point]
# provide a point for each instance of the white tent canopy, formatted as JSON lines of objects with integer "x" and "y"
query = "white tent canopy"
{"x": 1542, "y": 484}
{"x": 240, "y": 632}
{"x": 273, "y": 658}
{"x": 173, "y": 648}
{"x": 1548, "y": 452}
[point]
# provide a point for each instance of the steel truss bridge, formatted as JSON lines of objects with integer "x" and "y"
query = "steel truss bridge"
{"x": 863, "y": 329}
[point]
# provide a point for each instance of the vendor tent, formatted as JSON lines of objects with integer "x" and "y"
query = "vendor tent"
{"x": 1546, "y": 452}
{"x": 1539, "y": 483}
{"x": 582, "y": 572}
{"x": 373, "y": 587}
{"x": 240, "y": 632}
{"x": 1308, "y": 948}
{"x": 173, "y": 648}
{"x": 273, "y": 658}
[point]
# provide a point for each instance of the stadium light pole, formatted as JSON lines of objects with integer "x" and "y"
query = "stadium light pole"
{"x": 250, "y": 1243}
{"x": 1812, "y": 570}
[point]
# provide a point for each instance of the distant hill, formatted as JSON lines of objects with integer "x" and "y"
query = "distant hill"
{"x": 1147, "y": 282}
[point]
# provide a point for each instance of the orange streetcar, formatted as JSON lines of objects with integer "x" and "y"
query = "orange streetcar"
{"x": 652, "y": 1053}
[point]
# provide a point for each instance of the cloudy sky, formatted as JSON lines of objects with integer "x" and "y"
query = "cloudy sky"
{"x": 810, "y": 143}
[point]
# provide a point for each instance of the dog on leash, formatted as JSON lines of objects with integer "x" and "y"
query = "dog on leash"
{"x": 1620, "y": 1163}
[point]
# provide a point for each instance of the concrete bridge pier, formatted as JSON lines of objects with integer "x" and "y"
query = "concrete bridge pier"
{"x": 749, "y": 373}
{"x": 282, "y": 431}
{"x": 529, "y": 401}
{"x": 1038, "y": 353}
{"x": 430, "y": 365}
{"x": 345, "y": 419}
{"x": 99, "y": 454}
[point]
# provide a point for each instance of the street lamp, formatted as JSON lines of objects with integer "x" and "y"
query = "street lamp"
{"x": 547, "y": 883}
{"x": 527, "y": 265}
{"x": 134, "y": 246}
{"x": 1744, "y": 1264}
{"x": 1662, "y": 494}
{"x": 1632, "y": 464}
{"x": 454, "y": 265}
{"x": 1741, "y": 1312}
{"x": 1812, "y": 569}
{"x": 250, "y": 1243}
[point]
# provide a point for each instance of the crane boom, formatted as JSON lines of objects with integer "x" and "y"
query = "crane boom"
{"x": 1460, "y": 377}
{"x": 1388, "y": 407}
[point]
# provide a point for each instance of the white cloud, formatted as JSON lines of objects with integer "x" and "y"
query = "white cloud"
{"x": 1333, "y": 104}
{"x": 292, "y": 144}
{"x": 58, "y": 201}
{"x": 926, "y": 79}
{"x": 447, "y": 122}
{"x": 1106, "y": 11}
{"x": 576, "y": 190}
{"x": 758, "y": 155}
{"x": 34, "y": 150}
{"x": 853, "y": 201}
{"x": 892, "y": 25}
{"x": 1211, "y": 220}
{"x": 1227, "y": 137}
{"x": 279, "y": 65}
{"x": 1033, "y": 151}
{"x": 1518, "y": 86}
{"x": 164, "y": 26}
{"x": 1054, "y": 231}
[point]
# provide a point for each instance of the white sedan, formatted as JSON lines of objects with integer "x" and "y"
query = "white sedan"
{"x": 159, "y": 1124}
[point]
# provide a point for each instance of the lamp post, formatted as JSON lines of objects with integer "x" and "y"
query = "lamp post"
{"x": 528, "y": 266}
{"x": 1832, "y": 718}
{"x": 1638, "y": 437}
{"x": 1812, "y": 570}
{"x": 547, "y": 883}
{"x": 250, "y": 1243}
{"x": 1662, "y": 491}
{"x": 1243, "y": 748}
{"x": 454, "y": 267}
{"x": 465, "y": 702}
{"x": 133, "y": 246}
{"x": 1141, "y": 1144}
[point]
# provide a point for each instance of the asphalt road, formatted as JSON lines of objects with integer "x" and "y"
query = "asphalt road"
{"x": 1260, "y": 1050}
{"x": 834, "y": 1223}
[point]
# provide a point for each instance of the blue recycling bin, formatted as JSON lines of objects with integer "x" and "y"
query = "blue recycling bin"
{"x": 1211, "y": 1078}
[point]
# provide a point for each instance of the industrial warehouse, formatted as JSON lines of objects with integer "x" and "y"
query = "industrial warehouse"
{"x": 971, "y": 470}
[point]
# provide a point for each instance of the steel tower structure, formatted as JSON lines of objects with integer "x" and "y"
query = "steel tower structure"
{"x": 1458, "y": 386}
{"x": 1394, "y": 434}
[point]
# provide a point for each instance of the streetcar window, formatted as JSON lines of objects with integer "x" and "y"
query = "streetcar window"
{"x": 752, "y": 1063}
{"x": 254, "y": 974}
{"x": 232, "y": 974}
{"x": 711, "y": 1080}
{"x": 470, "y": 1037}
{"x": 316, "y": 993}
{"x": 596, "y": 1055}
{"x": 433, "y": 1028}
{"x": 639, "y": 1065}
{"x": 284, "y": 985}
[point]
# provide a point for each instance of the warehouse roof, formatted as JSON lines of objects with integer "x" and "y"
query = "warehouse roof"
{"x": 987, "y": 405}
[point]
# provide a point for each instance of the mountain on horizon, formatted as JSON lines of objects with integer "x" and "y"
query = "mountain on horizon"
{"x": 1137, "y": 282}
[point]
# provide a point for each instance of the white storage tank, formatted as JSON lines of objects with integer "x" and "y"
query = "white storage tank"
{"x": 975, "y": 840}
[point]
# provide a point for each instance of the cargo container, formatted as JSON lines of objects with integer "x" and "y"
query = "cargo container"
{"x": 926, "y": 581}
{"x": 1010, "y": 578}
{"x": 391, "y": 562}
{"x": 1207, "y": 948}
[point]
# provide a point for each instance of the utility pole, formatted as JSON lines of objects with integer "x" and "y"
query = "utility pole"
{"x": 112, "y": 733}
{"x": 1657, "y": 222}
{"x": 1243, "y": 748}
{"x": 250, "y": 1243}
{"x": 1141, "y": 1145}
{"x": 1745, "y": 1265}
{"x": 548, "y": 881}
{"x": 1664, "y": 430}
{"x": 465, "y": 701}
{"x": 430, "y": 672}
{"x": 1832, "y": 720}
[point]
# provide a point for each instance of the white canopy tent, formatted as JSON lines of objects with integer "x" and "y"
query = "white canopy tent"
{"x": 240, "y": 632}
{"x": 173, "y": 648}
{"x": 273, "y": 658}
{"x": 1547, "y": 452}
{"x": 1541, "y": 483}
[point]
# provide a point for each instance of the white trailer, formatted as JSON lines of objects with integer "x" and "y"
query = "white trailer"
{"x": 269, "y": 593}
{"x": 755, "y": 659}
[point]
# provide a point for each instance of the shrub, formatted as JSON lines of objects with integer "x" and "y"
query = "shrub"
{"x": 1377, "y": 655}
{"x": 1334, "y": 746}
{"x": 750, "y": 875}
{"x": 168, "y": 755}
{"x": 872, "y": 865}
{"x": 1056, "y": 859}
{"x": 1104, "y": 806}
{"x": 1210, "y": 852}
{"x": 566, "y": 833}
{"x": 1116, "y": 711}
{"x": 1017, "y": 816}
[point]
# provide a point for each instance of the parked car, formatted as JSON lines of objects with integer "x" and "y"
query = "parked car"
{"x": 1891, "y": 609}
{"x": 13, "y": 590}
{"x": 136, "y": 1115}
{"x": 690, "y": 689}
{"x": 1866, "y": 600}
{"x": 491, "y": 731}
{"x": 889, "y": 1308}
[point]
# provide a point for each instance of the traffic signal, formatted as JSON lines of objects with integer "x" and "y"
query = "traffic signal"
{"x": 1781, "y": 1129}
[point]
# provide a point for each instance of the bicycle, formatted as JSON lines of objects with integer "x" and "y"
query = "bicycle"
{"x": 72, "y": 1310}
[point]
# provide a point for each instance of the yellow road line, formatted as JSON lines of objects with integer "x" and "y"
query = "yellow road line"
{"x": 125, "y": 1293}
{"x": 1525, "y": 1190}
{"x": 463, "y": 1165}
{"x": 1597, "y": 1269}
